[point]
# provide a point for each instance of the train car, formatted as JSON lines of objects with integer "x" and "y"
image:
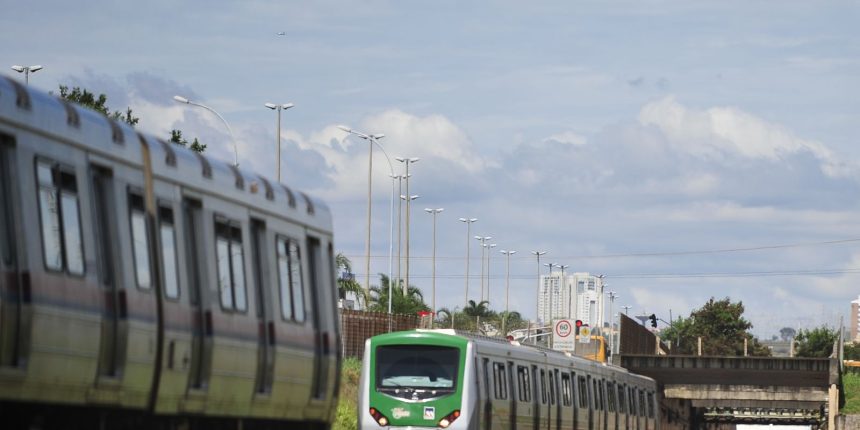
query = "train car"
{"x": 455, "y": 380}
{"x": 145, "y": 285}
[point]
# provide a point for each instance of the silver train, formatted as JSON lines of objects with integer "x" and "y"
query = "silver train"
{"x": 456, "y": 380}
{"x": 144, "y": 285}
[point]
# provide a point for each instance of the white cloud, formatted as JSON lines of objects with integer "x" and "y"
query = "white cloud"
{"x": 721, "y": 132}
{"x": 568, "y": 137}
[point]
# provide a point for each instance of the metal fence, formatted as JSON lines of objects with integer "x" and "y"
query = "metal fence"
{"x": 358, "y": 326}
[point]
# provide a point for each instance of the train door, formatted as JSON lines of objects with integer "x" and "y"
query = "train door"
{"x": 484, "y": 387}
{"x": 622, "y": 406}
{"x": 14, "y": 286}
{"x": 567, "y": 409}
{"x": 318, "y": 382}
{"x": 201, "y": 315}
{"x": 114, "y": 324}
{"x": 509, "y": 377}
{"x": 525, "y": 392}
{"x": 265, "y": 323}
{"x": 611, "y": 407}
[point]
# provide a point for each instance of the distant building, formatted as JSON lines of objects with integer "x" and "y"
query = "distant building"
{"x": 855, "y": 319}
{"x": 578, "y": 296}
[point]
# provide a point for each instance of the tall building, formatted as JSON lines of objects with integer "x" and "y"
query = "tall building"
{"x": 855, "y": 319}
{"x": 577, "y": 296}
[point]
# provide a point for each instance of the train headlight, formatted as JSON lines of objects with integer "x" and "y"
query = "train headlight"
{"x": 380, "y": 419}
{"x": 445, "y": 422}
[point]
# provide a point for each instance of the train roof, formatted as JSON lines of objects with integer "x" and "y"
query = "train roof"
{"x": 48, "y": 115}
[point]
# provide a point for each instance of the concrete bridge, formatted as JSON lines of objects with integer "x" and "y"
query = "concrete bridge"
{"x": 755, "y": 390}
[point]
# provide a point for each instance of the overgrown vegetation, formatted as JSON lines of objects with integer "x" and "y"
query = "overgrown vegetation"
{"x": 347, "y": 406}
{"x": 851, "y": 387}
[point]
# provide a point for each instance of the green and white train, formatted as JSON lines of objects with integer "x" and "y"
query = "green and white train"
{"x": 455, "y": 380}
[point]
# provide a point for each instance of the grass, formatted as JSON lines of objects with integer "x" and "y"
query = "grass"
{"x": 347, "y": 407}
{"x": 851, "y": 385}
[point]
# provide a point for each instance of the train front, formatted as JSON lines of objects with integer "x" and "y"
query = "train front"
{"x": 416, "y": 379}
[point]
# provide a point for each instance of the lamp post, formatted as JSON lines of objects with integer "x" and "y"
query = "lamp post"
{"x": 279, "y": 108}
{"x": 549, "y": 290}
{"x": 434, "y": 212}
{"x": 26, "y": 70}
{"x": 507, "y": 255}
{"x": 400, "y": 179}
{"x": 407, "y": 161}
{"x": 626, "y": 308}
{"x": 489, "y": 247}
{"x": 562, "y": 285}
{"x": 408, "y": 200}
{"x": 483, "y": 240}
{"x": 468, "y": 222}
{"x": 612, "y": 297}
{"x": 181, "y": 99}
{"x": 537, "y": 296}
{"x": 371, "y": 139}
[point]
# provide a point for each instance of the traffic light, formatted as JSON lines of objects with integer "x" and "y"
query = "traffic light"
{"x": 578, "y": 325}
{"x": 653, "y": 319}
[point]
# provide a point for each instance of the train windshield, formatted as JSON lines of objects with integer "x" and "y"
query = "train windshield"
{"x": 417, "y": 367}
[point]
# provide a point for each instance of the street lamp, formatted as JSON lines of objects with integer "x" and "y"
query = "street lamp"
{"x": 483, "y": 240}
{"x": 434, "y": 212}
{"x": 489, "y": 247}
{"x": 626, "y": 308}
{"x": 408, "y": 200}
{"x": 549, "y": 290}
{"x": 562, "y": 285}
{"x": 26, "y": 70}
{"x": 468, "y": 222}
{"x": 612, "y": 296}
{"x": 400, "y": 179}
{"x": 181, "y": 99}
{"x": 407, "y": 161}
{"x": 371, "y": 139}
{"x": 507, "y": 255}
{"x": 537, "y": 301}
{"x": 279, "y": 108}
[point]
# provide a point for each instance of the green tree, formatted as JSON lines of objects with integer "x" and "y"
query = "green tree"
{"x": 852, "y": 351}
{"x": 722, "y": 327}
{"x": 816, "y": 343}
{"x": 196, "y": 146}
{"x": 507, "y": 321}
{"x": 480, "y": 309}
{"x": 99, "y": 104}
{"x": 411, "y": 302}
{"x": 346, "y": 282}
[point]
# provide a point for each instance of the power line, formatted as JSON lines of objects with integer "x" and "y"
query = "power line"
{"x": 654, "y": 253}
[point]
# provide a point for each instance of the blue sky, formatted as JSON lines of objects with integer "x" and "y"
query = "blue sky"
{"x": 622, "y": 137}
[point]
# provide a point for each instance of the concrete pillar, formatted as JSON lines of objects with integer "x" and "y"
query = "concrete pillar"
{"x": 700, "y": 345}
{"x": 832, "y": 406}
{"x": 746, "y": 354}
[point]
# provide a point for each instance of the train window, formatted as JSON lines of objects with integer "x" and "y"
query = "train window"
{"x": 632, "y": 396}
{"x": 140, "y": 241}
{"x": 5, "y": 206}
{"x": 296, "y": 281}
{"x": 500, "y": 382}
{"x": 167, "y": 233}
{"x": 621, "y": 402}
{"x": 525, "y": 387}
{"x": 610, "y": 396}
{"x": 231, "y": 265}
{"x": 566, "y": 392}
{"x": 582, "y": 392}
{"x": 650, "y": 405}
{"x": 598, "y": 394}
{"x": 642, "y": 403}
{"x": 543, "y": 386}
{"x": 552, "y": 384}
{"x": 59, "y": 214}
{"x": 290, "y": 279}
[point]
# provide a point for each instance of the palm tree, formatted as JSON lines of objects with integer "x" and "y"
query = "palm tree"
{"x": 477, "y": 309}
{"x": 346, "y": 282}
{"x": 410, "y": 303}
{"x": 509, "y": 321}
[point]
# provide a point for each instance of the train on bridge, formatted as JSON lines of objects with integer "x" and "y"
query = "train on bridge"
{"x": 143, "y": 285}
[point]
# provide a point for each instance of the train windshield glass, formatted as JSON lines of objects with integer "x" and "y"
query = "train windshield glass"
{"x": 417, "y": 366}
